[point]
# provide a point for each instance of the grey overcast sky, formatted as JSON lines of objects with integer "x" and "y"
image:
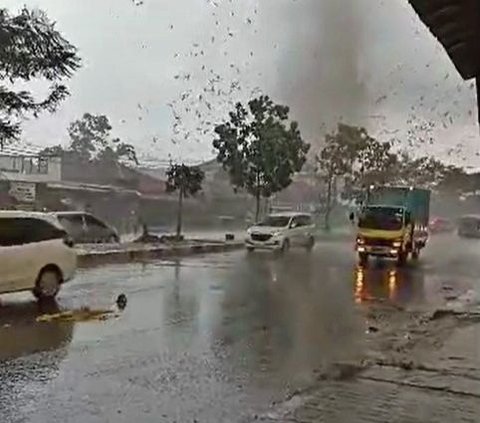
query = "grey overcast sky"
{"x": 164, "y": 71}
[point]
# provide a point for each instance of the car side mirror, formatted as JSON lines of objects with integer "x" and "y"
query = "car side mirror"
{"x": 293, "y": 225}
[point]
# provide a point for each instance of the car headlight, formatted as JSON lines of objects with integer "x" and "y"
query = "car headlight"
{"x": 278, "y": 233}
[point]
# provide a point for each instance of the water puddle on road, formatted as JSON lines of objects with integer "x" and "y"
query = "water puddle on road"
{"x": 28, "y": 327}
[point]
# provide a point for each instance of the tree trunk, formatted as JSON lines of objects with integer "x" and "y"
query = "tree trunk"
{"x": 257, "y": 210}
{"x": 179, "y": 214}
{"x": 257, "y": 198}
{"x": 329, "y": 202}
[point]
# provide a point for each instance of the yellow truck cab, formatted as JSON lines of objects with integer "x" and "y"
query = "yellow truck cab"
{"x": 393, "y": 223}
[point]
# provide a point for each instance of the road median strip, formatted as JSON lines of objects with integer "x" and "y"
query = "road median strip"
{"x": 91, "y": 255}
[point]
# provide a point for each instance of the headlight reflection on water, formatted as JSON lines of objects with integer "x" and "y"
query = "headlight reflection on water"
{"x": 392, "y": 284}
{"x": 371, "y": 286}
{"x": 359, "y": 284}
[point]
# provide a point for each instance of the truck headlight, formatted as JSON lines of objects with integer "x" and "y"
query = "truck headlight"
{"x": 397, "y": 244}
{"x": 360, "y": 241}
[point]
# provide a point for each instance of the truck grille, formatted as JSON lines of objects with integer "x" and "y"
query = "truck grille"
{"x": 261, "y": 237}
{"x": 379, "y": 242}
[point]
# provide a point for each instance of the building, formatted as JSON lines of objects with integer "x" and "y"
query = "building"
{"x": 23, "y": 174}
{"x": 32, "y": 168}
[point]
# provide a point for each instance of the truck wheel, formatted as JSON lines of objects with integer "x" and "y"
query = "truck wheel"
{"x": 402, "y": 258}
{"x": 285, "y": 246}
{"x": 363, "y": 259}
{"x": 310, "y": 243}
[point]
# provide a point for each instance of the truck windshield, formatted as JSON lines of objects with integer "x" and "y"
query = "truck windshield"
{"x": 383, "y": 218}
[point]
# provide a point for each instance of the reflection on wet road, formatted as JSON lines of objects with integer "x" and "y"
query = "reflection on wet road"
{"x": 213, "y": 338}
{"x": 399, "y": 286}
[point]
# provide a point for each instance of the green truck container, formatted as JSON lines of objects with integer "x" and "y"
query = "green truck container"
{"x": 414, "y": 200}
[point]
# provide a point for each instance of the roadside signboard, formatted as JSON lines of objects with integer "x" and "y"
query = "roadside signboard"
{"x": 23, "y": 192}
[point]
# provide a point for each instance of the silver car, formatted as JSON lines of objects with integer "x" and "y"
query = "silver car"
{"x": 84, "y": 228}
{"x": 280, "y": 231}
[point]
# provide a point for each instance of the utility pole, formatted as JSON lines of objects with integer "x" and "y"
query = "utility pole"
{"x": 477, "y": 81}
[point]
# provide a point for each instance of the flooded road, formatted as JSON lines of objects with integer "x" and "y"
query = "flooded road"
{"x": 208, "y": 339}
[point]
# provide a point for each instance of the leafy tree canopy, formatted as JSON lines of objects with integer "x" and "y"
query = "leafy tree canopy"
{"x": 260, "y": 148}
{"x": 31, "y": 49}
{"x": 185, "y": 179}
{"x": 91, "y": 140}
{"x": 360, "y": 160}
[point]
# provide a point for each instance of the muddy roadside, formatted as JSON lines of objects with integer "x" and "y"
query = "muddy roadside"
{"x": 423, "y": 353}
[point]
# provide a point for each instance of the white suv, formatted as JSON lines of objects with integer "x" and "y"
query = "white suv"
{"x": 36, "y": 254}
{"x": 281, "y": 231}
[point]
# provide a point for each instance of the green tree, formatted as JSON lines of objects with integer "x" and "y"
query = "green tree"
{"x": 357, "y": 158}
{"x": 91, "y": 141}
{"x": 373, "y": 163}
{"x": 89, "y": 136}
{"x": 455, "y": 180}
{"x": 31, "y": 49}
{"x": 260, "y": 148}
{"x": 187, "y": 181}
{"x": 422, "y": 171}
{"x": 54, "y": 150}
{"x": 333, "y": 161}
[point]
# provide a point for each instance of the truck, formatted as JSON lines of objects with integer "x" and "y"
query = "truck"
{"x": 393, "y": 223}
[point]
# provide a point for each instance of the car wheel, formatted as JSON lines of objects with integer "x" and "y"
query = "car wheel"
{"x": 250, "y": 249}
{"x": 310, "y": 243}
{"x": 285, "y": 246}
{"x": 113, "y": 239}
{"x": 48, "y": 283}
{"x": 363, "y": 259}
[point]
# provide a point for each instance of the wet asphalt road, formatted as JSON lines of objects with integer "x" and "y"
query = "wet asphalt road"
{"x": 208, "y": 339}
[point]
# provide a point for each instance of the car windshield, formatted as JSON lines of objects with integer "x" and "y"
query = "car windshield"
{"x": 383, "y": 218}
{"x": 275, "y": 221}
{"x": 71, "y": 220}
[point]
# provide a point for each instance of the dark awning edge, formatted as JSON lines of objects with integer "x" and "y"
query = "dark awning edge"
{"x": 456, "y": 24}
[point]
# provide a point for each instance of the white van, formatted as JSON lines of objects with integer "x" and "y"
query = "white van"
{"x": 36, "y": 254}
{"x": 280, "y": 231}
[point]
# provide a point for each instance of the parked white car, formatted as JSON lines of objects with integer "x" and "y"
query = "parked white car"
{"x": 280, "y": 231}
{"x": 36, "y": 254}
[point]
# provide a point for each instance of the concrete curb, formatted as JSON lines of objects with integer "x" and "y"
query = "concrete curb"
{"x": 152, "y": 252}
